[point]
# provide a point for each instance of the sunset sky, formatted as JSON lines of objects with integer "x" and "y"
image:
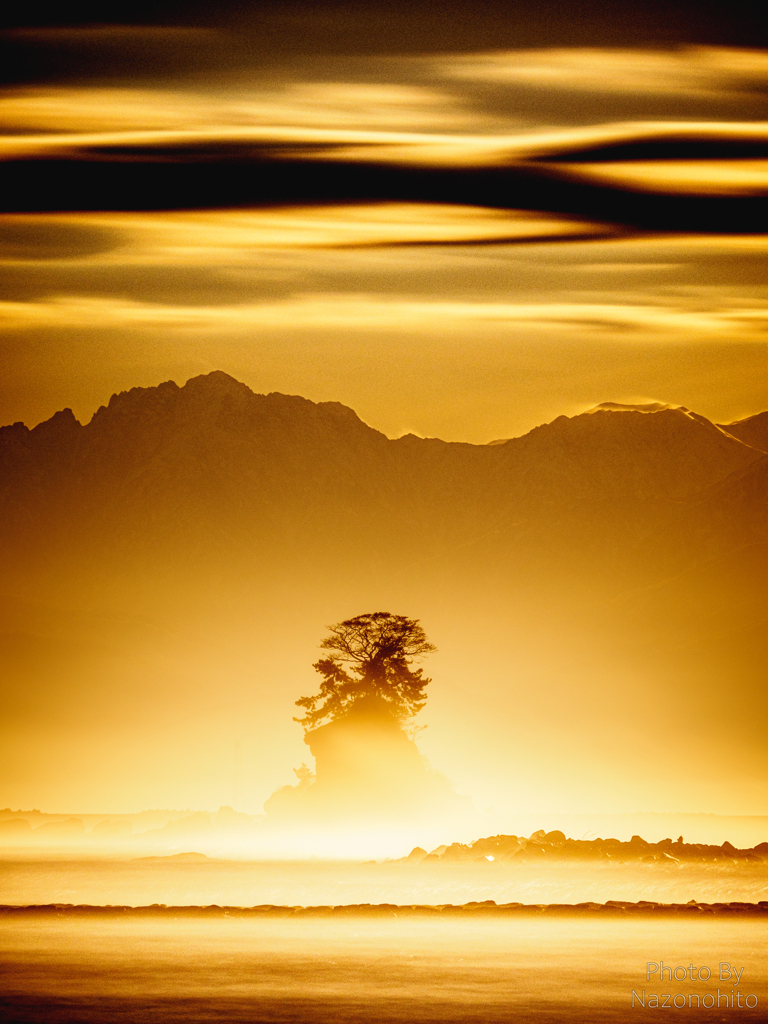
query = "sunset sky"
{"x": 461, "y": 319}
{"x": 473, "y": 219}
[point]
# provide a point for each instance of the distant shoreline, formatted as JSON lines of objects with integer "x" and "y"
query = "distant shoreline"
{"x": 612, "y": 909}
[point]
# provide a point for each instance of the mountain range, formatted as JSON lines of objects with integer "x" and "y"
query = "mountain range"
{"x": 211, "y": 474}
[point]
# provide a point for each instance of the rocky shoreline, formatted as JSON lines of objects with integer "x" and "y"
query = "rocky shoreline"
{"x": 555, "y": 844}
{"x": 612, "y": 908}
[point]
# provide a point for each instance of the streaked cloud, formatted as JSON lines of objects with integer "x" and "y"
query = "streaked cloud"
{"x": 344, "y": 105}
{"x": 685, "y": 71}
{"x": 679, "y": 177}
{"x": 229, "y": 236}
{"x": 364, "y": 313}
{"x": 316, "y": 216}
{"x": 619, "y": 173}
{"x": 434, "y": 148}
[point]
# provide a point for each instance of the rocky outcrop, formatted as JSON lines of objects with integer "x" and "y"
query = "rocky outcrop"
{"x": 367, "y": 769}
{"x": 14, "y": 826}
{"x": 555, "y": 845}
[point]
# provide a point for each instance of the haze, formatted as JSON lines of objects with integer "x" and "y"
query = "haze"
{"x": 172, "y": 566}
{"x": 425, "y": 227}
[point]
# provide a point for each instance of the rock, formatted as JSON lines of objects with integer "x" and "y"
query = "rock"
{"x": 14, "y": 826}
{"x": 557, "y": 838}
{"x": 417, "y": 854}
{"x": 458, "y": 851}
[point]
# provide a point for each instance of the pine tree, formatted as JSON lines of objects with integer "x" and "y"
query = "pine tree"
{"x": 371, "y": 656}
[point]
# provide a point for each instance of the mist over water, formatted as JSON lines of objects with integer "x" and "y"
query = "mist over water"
{"x": 359, "y": 970}
{"x": 318, "y": 883}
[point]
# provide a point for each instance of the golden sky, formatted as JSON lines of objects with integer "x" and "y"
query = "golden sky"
{"x": 496, "y": 317}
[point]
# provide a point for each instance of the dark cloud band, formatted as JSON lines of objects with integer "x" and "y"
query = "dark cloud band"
{"x": 218, "y": 173}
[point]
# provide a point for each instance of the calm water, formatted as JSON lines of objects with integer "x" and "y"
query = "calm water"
{"x": 356, "y": 970}
{"x": 308, "y": 883}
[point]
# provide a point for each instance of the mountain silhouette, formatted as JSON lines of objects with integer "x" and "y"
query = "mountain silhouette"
{"x": 753, "y": 431}
{"x": 210, "y": 477}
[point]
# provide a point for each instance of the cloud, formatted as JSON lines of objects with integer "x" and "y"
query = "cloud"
{"x": 342, "y": 105}
{"x": 678, "y": 177}
{"x": 624, "y": 174}
{"x": 689, "y": 71}
{"x": 229, "y": 236}
{"x": 363, "y": 313}
{"x": 397, "y": 146}
{"x": 362, "y": 268}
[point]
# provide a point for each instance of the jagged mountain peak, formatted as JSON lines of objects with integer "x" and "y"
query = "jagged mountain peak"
{"x": 212, "y": 482}
{"x": 213, "y": 385}
{"x": 134, "y": 398}
{"x": 64, "y": 417}
{"x": 218, "y": 403}
{"x": 652, "y": 447}
{"x": 216, "y": 382}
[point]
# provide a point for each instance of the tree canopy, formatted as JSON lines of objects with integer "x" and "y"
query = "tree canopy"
{"x": 370, "y": 656}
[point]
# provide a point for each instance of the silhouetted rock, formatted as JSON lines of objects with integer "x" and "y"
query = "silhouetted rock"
{"x": 14, "y": 826}
{"x": 459, "y": 851}
{"x": 417, "y": 854}
{"x": 554, "y": 844}
{"x": 555, "y": 838}
{"x": 367, "y": 768}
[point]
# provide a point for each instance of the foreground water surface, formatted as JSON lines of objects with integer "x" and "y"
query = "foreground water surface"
{"x": 80, "y": 970}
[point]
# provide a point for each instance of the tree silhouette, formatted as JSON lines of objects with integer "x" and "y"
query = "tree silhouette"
{"x": 371, "y": 657}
